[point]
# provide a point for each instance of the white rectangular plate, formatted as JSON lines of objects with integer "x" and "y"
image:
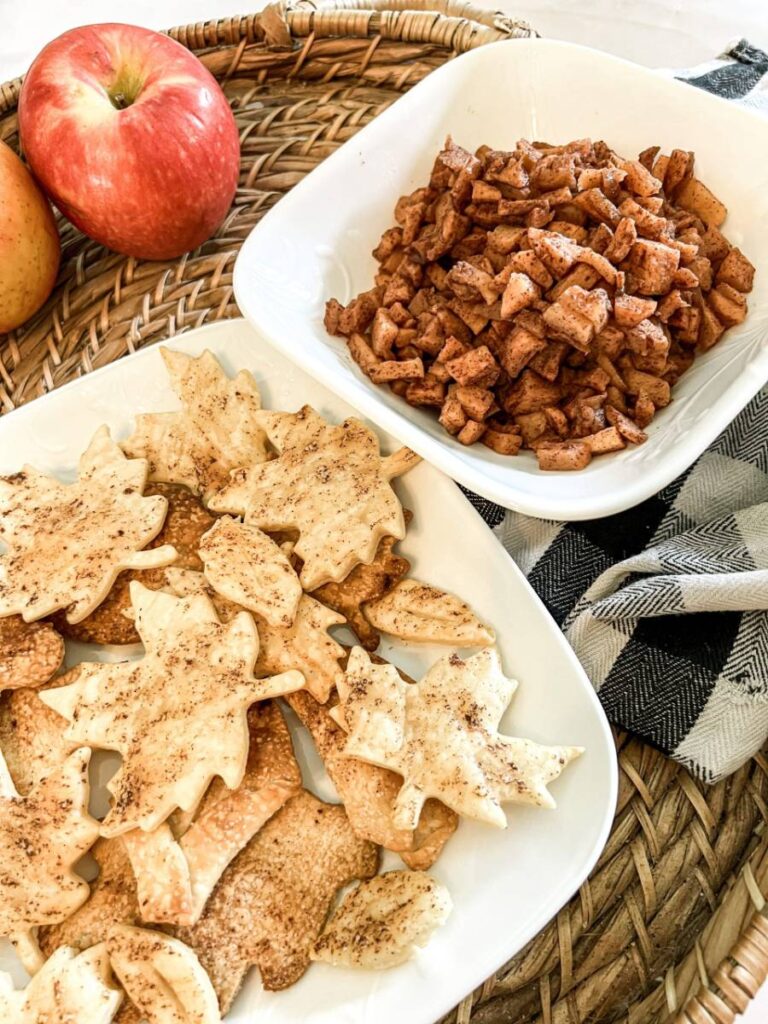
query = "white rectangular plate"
{"x": 316, "y": 243}
{"x": 505, "y": 885}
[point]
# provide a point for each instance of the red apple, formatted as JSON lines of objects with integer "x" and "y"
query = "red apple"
{"x": 29, "y": 243}
{"x": 132, "y": 138}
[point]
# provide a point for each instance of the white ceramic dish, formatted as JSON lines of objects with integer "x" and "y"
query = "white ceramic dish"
{"x": 316, "y": 243}
{"x": 505, "y": 884}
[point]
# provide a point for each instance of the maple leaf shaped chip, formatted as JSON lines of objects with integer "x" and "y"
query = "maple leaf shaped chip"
{"x": 305, "y": 646}
{"x": 42, "y": 835}
{"x": 440, "y": 735}
{"x": 67, "y": 543}
{"x": 178, "y": 716}
{"x": 216, "y": 430}
{"x": 368, "y": 792}
{"x": 328, "y": 482}
{"x": 70, "y": 988}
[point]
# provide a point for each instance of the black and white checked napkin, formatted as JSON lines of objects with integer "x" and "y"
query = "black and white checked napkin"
{"x": 664, "y": 604}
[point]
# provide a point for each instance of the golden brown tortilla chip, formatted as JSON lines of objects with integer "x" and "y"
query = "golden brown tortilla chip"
{"x": 366, "y": 583}
{"x": 30, "y": 652}
{"x": 272, "y": 901}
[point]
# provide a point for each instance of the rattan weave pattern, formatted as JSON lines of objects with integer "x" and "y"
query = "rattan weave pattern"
{"x": 672, "y": 915}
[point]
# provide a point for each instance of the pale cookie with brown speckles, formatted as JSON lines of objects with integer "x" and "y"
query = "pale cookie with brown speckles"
{"x": 67, "y": 543}
{"x": 244, "y": 565}
{"x": 70, "y": 988}
{"x": 422, "y": 613}
{"x": 441, "y": 735}
{"x": 216, "y": 430}
{"x": 162, "y": 977}
{"x": 178, "y": 716}
{"x": 382, "y": 922}
{"x": 328, "y": 482}
{"x": 42, "y": 836}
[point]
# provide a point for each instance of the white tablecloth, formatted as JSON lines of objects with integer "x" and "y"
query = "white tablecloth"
{"x": 658, "y": 33}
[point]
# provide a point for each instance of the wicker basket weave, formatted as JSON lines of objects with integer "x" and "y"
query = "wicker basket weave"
{"x": 669, "y": 927}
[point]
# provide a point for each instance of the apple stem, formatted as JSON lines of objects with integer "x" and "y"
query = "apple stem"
{"x": 119, "y": 100}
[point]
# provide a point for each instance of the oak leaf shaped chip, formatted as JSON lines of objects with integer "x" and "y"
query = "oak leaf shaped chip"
{"x": 67, "y": 543}
{"x": 381, "y": 922}
{"x": 42, "y": 836}
{"x": 70, "y": 988}
{"x": 440, "y": 735}
{"x": 162, "y": 977}
{"x": 178, "y": 716}
{"x": 328, "y": 482}
{"x": 216, "y": 430}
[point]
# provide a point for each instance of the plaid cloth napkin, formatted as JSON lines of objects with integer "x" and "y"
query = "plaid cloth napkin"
{"x": 664, "y": 603}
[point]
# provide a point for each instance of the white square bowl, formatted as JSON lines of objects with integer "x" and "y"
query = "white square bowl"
{"x": 317, "y": 243}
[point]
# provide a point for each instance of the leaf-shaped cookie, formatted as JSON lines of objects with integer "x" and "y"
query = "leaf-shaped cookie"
{"x": 441, "y": 735}
{"x": 30, "y": 652}
{"x": 305, "y": 646}
{"x": 186, "y": 521}
{"x": 42, "y": 836}
{"x": 216, "y": 430}
{"x": 381, "y": 922}
{"x": 273, "y": 899}
{"x": 70, "y": 988}
{"x": 328, "y": 482}
{"x": 424, "y": 614}
{"x": 368, "y": 792}
{"x": 177, "y": 716}
{"x": 176, "y": 875}
{"x": 162, "y": 977}
{"x": 245, "y": 565}
{"x": 68, "y": 542}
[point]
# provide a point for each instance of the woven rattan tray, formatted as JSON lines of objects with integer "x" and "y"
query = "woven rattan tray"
{"x": 672, "y": 915}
